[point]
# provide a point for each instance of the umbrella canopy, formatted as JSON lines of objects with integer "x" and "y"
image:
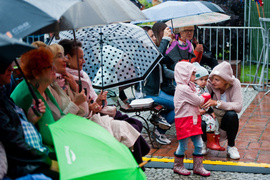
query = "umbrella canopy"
{"x": 128, "y": 55}
{"x": 11, "y": 48}
{"x": 53, "y": 16}
{"x": 200, "y": 19}
{"x": 85, "y": 150}
{"x": 176, "y": 9}
{"x": 97, "y": 12}
{"x": 19, "y": 18}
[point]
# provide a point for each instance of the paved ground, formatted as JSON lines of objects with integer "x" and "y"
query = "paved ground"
{"x": 162, "y": 174}
{"x": 252, "y": 141}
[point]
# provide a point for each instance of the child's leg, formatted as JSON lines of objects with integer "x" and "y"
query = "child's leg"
{"x": 182, "y": 147}
{"x": 198, "y": 144}
{"x": 198, "y": 157}
{"x": 210, "y": 122}
{"x": 212, "y": 133}
{"x": 178, "y": 166}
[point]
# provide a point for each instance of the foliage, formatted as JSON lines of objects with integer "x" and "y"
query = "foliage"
{"x": 146, "y": 4}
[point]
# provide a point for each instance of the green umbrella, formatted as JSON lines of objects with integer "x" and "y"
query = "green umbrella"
{"x": 85, "y": 150}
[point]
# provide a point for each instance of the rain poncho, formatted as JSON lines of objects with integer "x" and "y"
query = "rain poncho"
{"x": 186, "y": 102}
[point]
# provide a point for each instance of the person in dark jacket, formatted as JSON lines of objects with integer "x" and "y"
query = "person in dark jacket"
{"x": 22, "y": 158}
{"x": 151, "y": 86}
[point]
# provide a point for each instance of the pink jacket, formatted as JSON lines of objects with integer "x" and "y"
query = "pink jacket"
{"x": 233, "y": 93}
{"x": 186, "y": 102}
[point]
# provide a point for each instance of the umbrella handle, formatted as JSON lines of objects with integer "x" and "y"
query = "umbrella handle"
{"x": 143, "y": 163}
{"x": 35, "y": 109}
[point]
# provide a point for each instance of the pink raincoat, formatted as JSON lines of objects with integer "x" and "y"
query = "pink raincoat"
{"x": 186, "y": 102}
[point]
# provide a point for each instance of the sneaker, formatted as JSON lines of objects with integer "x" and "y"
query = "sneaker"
{"x": 233, "y": 153}
{"x": 161, "y": 138}
{"x": 160, "y": 121}
{"x": 204, "y": 149}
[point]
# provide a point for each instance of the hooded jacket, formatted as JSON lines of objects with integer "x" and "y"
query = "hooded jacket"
{"x": 234, "y": 99}
{"x": 186, "y": 102}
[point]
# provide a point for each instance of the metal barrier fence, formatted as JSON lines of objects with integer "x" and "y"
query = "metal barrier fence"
{"x": 237, "y": 45}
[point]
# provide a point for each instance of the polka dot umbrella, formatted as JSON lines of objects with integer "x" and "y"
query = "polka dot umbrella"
{"x": 116, "y": 54}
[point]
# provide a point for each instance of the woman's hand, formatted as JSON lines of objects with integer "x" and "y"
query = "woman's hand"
{"x": 31, "y": 116}
{"x": 167, "y": 32}
{"x": 80, "y": 98}
{"x": 71, "y": 81}
{"x": 199, "y": 48}
{"x": 94, "y": 107}
{"x": 209, "y": 103}
{"x": 102, "y": 96}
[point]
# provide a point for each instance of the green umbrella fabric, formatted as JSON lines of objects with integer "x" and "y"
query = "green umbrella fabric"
{"x": 85, "y": 150}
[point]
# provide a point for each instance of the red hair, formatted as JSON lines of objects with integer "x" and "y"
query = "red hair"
{"x": 34, "y": 61}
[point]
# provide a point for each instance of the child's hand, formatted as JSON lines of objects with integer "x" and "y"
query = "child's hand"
{"x": 202, "y": 111}
{"x": 213, "y": 115}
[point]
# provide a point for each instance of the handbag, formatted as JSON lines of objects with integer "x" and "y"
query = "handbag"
{"x": 218, "y": 112}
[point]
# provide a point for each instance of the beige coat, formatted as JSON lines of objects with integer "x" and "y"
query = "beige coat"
{"x": 121, "y": 130}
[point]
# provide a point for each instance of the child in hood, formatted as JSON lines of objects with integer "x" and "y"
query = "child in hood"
{"x": 208, "y": 116}
{"x": 187, "y": 118}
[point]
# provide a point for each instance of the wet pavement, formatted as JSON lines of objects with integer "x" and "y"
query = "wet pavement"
{"x": 253, "y": 143}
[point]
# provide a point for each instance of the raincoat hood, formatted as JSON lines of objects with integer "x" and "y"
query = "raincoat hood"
{"x": 182, "y": 73}
{"x": 225, "y": 71}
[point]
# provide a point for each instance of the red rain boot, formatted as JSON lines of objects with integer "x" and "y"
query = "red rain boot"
{"x": 217, "y": 142}
{"x": 211, "y": 142}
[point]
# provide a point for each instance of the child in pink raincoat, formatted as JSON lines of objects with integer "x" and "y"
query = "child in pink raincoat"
{"x": 187, "y": 118}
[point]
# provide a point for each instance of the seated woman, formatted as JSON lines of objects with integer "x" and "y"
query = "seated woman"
{"x": 22, "y": 158}
{"x": 227, "y": 100}
{"x": 37, "y": 65}
{"x": 152, "y": 85}
{"x": 140, "y": 147}
{"x": 121, "y": 130}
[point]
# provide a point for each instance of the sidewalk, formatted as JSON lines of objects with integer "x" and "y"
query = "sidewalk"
{"x": 252, "y": 141}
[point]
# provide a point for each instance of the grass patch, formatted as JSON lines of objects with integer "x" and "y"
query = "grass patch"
{"x": 248, "y": 72}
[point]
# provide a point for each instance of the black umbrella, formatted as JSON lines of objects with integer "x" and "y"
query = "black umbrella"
{"x": 20, "y": 18}
{"x": 10, "y": 49}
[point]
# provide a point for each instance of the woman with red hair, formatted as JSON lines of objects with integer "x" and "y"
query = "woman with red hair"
{"x": 37, "y": 65}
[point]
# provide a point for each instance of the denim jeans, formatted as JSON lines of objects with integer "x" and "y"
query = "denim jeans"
{"x": 183, "y": 144}
{"x": 167, "y": 101}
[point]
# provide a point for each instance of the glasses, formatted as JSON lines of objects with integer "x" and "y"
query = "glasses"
{"x": 188, "y": 31}
{"x": 50, "y": 67}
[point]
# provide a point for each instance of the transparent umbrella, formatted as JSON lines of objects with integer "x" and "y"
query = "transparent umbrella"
{"x": 174, "y": 11}
{"x": 123, "y": 55}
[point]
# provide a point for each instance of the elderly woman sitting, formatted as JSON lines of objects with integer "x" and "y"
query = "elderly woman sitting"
{"x": 121, "y": 130}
